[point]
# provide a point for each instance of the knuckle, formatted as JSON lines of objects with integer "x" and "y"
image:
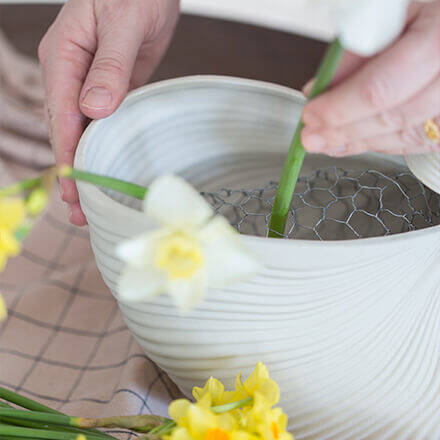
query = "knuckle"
{"x": 391, "y": 119}
{"x": 375, "y": 92}
{"x": 112, "y": 63}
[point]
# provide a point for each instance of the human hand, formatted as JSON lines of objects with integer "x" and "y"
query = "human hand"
{"x": 382, "y": 103}
{"x": 94, "y": 52}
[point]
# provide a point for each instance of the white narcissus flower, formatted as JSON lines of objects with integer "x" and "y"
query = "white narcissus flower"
{"x": 366, "y": 27}
{"x": 190, "y": 250}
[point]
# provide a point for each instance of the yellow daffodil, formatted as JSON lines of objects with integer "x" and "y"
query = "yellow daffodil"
{"x": 198, "y": 422}
{"x": 81, "y": 437}
{"x": 268, "y": 423}
{"x": 259, "y": 381}
{"x": 190, "y": 251}
{"x": 37, "y": 201}
{"x": 3, "y": 309}
{"x": 216, "y": 390}
{"x": 12, "y": 214}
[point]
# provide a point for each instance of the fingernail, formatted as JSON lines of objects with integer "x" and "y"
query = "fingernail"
{"x": 314, "y": 142}
{"x": 97, "y": 98}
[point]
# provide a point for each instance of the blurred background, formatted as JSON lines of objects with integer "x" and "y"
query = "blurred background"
{"x": 246, "y": 41}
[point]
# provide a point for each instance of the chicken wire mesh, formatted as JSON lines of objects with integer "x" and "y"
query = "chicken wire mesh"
{"x": 335, "y": 204}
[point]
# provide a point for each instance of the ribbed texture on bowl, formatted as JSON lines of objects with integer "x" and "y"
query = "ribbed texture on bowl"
{"x": 350, "y": 330}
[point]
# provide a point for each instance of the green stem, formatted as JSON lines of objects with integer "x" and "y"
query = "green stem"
{"x": 41, "y": 417}
{"x": 121, "y": 186}
{"x": 36, "y": 425}
{"x": 295, "y": 157}
{"x": 20, "y": 186}
{"x": 25, "y": 402}
{"x": 230, "y": 406}
{"x": 32, "y": 405}
{"x": 14, "y": 432}
{"x": 164, "y": 429}
{"x": 43, "y": 420}
{"x": 140, "y": 423}
{"x": 219, "y": 409}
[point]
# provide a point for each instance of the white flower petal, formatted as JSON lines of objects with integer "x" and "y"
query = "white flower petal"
{"x": 174, "y": 202}
{"x": 226, "y": 258}
{"x": 138, "y": 250}
{"x": 187, "y": 294}
{"x": 367, "y": 26}
{"x": 138, "y": 284}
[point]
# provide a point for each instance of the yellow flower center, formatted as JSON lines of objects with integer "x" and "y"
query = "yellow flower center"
{"x": 217, "y": 434}
{"x": 179, "y": 255}
{"x": 275, "y": 430}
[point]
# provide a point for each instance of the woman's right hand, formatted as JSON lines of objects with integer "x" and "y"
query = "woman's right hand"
{"x": 91, "y": 56}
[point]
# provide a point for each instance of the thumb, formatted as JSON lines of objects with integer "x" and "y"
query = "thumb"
{"x": 350, "y": 63}
{"x": 108, "y": 79}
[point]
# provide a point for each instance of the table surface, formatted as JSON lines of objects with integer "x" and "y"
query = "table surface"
{"x": 304, "y": 17}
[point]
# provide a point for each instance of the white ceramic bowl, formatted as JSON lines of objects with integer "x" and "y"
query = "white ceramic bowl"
{"x": 349, "y": 329}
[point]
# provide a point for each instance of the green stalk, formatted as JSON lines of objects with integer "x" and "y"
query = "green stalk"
{"x": 41, "y": 417}
{"x": 32, "y": 405}
{"x": 24, "y": 402}
{"x": 121, "y": 186}
{"x": 219, "y": 409}
{"x": 140, "y": 423}
{"x": 163, "y": 429}
{"x": 35, "y": 425}
{"x": 35, "y": 434}
{"x": 20, "y": 186}
{"x": 230, "y": 406}
{"x": 295, "y": 157}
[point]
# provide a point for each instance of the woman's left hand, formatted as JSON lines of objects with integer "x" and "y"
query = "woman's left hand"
{"x": 382, "y": 103}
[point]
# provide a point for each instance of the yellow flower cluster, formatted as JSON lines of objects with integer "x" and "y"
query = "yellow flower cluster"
{"x": 257, "y": 420}
{"x": 12, "y": 214}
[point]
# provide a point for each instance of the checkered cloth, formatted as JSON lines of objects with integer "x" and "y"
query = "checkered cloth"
{"x": 64, "y": 342}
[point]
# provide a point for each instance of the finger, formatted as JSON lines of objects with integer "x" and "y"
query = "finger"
{"x": 107, "y": 82}
{"x": 413, "y": 112}
{"x": 151, "y": 52}
{"x": 350, "y": 63}
{"x": 76, "y": 216}
{"x": 413, "y": 140}
{"x": 64, "y": 67}
{"x": 384, "y": 82}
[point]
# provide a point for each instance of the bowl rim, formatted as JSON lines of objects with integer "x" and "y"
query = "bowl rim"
{"x": 172, "y": 84}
